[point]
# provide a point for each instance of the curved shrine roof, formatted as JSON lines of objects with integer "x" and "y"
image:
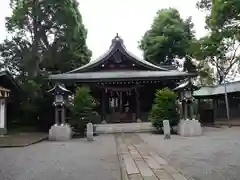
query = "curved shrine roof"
{"x": 88, "y": 73}
{"x": 117, "y": 45}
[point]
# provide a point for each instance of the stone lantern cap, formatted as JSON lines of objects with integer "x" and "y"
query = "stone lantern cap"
{"x": 59, "y": 89}
{"x": 187, "y": 84}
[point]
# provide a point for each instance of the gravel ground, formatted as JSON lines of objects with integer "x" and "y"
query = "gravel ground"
{"x": 71, "y": 160}
{"x": 213, "y": 156}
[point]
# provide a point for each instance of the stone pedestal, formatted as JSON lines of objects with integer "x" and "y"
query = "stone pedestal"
{"x": 104, "y": 122}
{"x": 190, "y": 128}
{"x": 61, "y": 132}
{"x": 139, "y": 120}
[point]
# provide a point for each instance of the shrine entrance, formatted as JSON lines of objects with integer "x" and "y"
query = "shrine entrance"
{"x": 121, "y": 104}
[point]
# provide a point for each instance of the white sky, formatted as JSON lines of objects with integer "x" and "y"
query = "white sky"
{"x": 129, "y": 18}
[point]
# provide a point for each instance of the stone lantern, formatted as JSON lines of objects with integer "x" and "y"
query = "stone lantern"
{"x": 60, "y": 130}
{"x": 188, "y": 125}
{"x": 4, "y": 94}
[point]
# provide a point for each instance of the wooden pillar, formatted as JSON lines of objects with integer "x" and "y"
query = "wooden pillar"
{"x": 103, "y": 105}
{"x": 214, "y": 101}
{"x": 121, "y": 102}
{"x": 199, "y": 109}
{"x": 137, "y": 104}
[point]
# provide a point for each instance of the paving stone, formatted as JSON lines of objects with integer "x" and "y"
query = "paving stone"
{"x": 144, "y": 169}
{"x": 157, "y": 158}
{"x": 143, "y": 163}
{"x": 161, "y": 174}
{"x": 129, "y": 164}
{"x": 135, "y": 177}
{"x": 178, "y": 176}
{"x": 131, "y": 147}
{"x": 150, "y": 178}
{"x": 144, "y": 151}
{"x": 136, "y": 156}
{"x": 169, "y": 169}
{"x": 151, "y": 162}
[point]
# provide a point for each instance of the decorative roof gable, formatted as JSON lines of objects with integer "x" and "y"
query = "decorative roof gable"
{"x": 117, "y": 47}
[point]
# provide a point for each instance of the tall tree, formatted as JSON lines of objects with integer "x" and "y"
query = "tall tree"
{"x": 169, "y": 37}
{"x": 221, "y": 47}
{"x": 46, "y": 36}
{"x": 50, "y": 31}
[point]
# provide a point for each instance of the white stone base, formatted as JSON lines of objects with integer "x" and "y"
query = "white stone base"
{"x": 104, "y": 122}
{"x": 139, "y": 120}
{"x": 60, "y": 132}
{"x": 190, "y": 128}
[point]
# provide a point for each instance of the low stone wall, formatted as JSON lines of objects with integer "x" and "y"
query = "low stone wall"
{"x": 124, "y": 127}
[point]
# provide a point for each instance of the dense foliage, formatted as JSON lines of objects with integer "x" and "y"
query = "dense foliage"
{"x": 164, "y": 108}
{"x": 83, "y": 109}
{"x": 220, "y": 48}
{"x": 169, "y": 36}
{"x": 46, "y": 37}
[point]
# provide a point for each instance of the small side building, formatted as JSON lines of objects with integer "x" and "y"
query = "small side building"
{"x": 9, "y": 95}
{"x": 213, "y": 107}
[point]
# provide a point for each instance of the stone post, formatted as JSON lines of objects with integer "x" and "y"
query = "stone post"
{"x": 90, "y": 132}
{"x": 166, "y": 129}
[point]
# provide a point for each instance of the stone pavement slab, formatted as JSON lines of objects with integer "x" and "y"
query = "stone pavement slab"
{"x": 130, "y": 164}
{"x": 135, "y": 177}
{"x": 142, "y": 162}
{"x": 212, "y": 156}
{"x": 152, "y": 163}
{"x": 162, "y": 174}
{"x": 144, "y": 169}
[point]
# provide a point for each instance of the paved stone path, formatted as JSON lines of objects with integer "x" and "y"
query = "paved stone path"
{"x": 212, "y": 156}
{"x": 140, "y": 162}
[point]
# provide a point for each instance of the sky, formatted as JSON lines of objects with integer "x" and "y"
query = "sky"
{"x": 129, "y": 18}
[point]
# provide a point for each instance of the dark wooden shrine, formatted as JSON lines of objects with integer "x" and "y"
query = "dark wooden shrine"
{"x": 123, "y": 84}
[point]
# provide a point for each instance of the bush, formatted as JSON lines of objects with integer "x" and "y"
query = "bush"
{"x": 82, "y": 110}
{"x": 164, "y": 108}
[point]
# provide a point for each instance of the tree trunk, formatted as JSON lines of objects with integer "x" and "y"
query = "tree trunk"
{"x": 34, "y": 66}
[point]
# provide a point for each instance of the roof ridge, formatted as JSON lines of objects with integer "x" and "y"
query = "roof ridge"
{"x": 117, "y": 44}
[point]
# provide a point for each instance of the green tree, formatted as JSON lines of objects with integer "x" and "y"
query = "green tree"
{"x": 169, "y": 37}
{"x": 222, "y": 14}
{"x": 83, "y": 109}
{"x": 220, "y": 48}
{"x": 164, "y": 107}
{"x": 46, "y": 36}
